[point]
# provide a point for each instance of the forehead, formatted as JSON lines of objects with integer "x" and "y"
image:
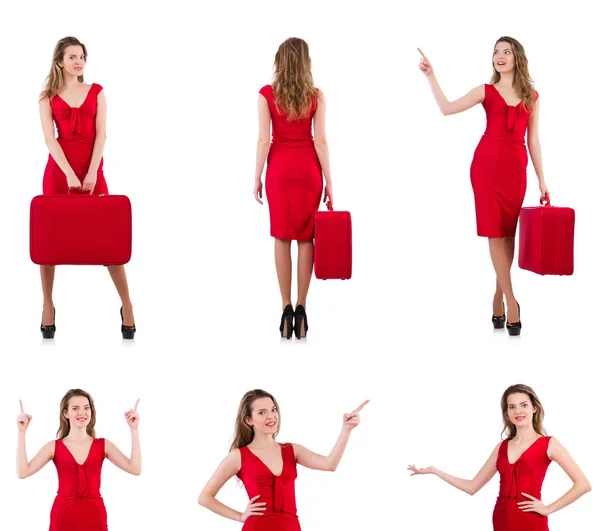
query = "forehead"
{"x": 73, "y": 50}
{"x": 502, "y": 45}
{"x": 517, "y": 398}
{"x": 262, "y": 403}
{"x": 80, "y": 401}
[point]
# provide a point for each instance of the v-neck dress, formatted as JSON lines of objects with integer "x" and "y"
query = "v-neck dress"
{"x": 525, "y": 475}
{"x": 277, "y": 492}
{"x": 78, "y": 505}
{"x": 499, "y": 167}
{"x": 76, "y": 129}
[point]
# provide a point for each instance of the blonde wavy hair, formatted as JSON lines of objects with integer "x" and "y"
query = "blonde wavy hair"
{"x": 293, "y": 85}
{"x": 522, "y": 82}
{"x": 55, "y": 80}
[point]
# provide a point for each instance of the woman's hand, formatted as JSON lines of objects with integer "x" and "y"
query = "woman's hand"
{"x": 328, "y": 193}
{"x": 425, "y": 65}
{"x": 545, "y": 193}
{"x": 23, "y": 419}
{"x": 351, "y": 420}
{"x": 258, "y": 189}
{"x": 73, "y": 182}
{"x": 253, "y": 509}
{"x": 533, "y": 506}
{"x": 89, "y": 183}
{"x": 420, "y": 471}
{"x": 132, "y": 417}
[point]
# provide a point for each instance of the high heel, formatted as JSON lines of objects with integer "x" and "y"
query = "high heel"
{"x": 287, "y": 318}
{"x": 514, "y": 329}
{"x": 48, "y": 331}
{"x": 300, "y": 322}
{"x": 499, "y": 321}
{"x": 127, "y": 331}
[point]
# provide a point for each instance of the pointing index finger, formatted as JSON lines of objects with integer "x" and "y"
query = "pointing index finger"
{"x": 422, "y": 54}
{"x": 21, "y": 406}
{"x": 358, "y": 409}
{"x": 136, "y": 404}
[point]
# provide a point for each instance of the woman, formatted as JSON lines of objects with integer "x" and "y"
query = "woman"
{"x": 498, "y": 171}
{"x": 78, "y": 457}
{"x": 522, "y": 460}
{"x": 75, "y": 160}
{"x": 296, "y": 166}
{"x": 266, "y": 467}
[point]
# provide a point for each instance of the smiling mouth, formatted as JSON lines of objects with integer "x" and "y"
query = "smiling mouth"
{"x": 501, "y": 64}
{"x": 519, "y": 418}
{"x": 270, "y": 424}
{"x": 81, "y": 419}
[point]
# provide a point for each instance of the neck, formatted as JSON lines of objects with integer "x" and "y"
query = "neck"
{"x": 263, "y": 440}
{"x": 77, "y": 434}
{"x": 506, "y": 79}
{"x": 525, "y": 433}
{"x": 70, "y": 80}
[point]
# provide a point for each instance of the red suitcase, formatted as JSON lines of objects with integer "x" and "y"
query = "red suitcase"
{"x": 78, "y": 229}
{"x": 546, "y": 239}
{"x": 333, "y": 244}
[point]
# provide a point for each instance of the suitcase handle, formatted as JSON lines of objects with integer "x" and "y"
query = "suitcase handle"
{"x": 545, "y": 201}
{"x": 329, "y": 206}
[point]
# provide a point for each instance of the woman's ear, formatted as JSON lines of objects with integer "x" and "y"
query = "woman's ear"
{"x": 248, "y": 421}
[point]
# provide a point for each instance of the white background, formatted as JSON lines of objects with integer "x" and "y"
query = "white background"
{"x": 411, "y": 330}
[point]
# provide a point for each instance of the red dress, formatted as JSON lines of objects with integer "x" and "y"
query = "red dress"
{"x": 294, "y": 180}
{"x": 76, "y": 128}
{"x": 526, "y": 475}
{"x": 276, "y": 491}
{"x": 499, "y": 167}
{"x": 78, "y": 505}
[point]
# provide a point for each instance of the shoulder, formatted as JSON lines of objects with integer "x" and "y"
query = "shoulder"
{"x": 97, "y": 87}
{"x": 266, "y": 91}
{"x": 50, "y": 446}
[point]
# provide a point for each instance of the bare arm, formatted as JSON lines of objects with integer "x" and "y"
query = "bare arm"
{"x": 53, "y": 146}
{"x": 320, "y": 138}
{"x": 131, "y": 465}
{"x": 100, "y": 141}
{"x": 263, "y": 145}
{"x": 228, "y": 468}
{"x": 27, "y": 468}
{"x": 330, "y": 462}
{"x": 470, "y": 486}
{"x": 535, "y": 148}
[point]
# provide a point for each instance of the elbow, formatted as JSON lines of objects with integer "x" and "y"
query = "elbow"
{"x": 586, "y": 487}
{"x": 320, "y": 142}
{"x": 264, "y": 142}
{"x": 22, "y": 475}
{"x": 203, "y": 500}
{"x": 446, "y": 111}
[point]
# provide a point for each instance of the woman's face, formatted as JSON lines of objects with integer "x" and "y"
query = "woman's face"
{"x": 504, "y": 59}
{"x": 73, "y": 61}
{"x": 79, "y": 412}
{"x": 265, "y": 417}
{"x": 520, "y": 410}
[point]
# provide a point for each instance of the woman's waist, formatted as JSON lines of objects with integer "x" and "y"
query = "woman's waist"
{"x": 503, "y": 137}
{"x": 73, "y": 497}
{"x": 291, "y": 143}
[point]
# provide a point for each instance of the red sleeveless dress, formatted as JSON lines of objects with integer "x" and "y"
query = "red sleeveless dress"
{"x": 76, "y": 128}
{"x": 294, "y": 179}
{"x": 277, "y": 492}
{"x": 526, "y": 475}
{"x": 78, "y": 505}
{"x": 499, "y": 167}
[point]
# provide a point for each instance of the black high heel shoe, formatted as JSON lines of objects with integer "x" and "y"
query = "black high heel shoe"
{"x": 127, "y": 331}
{"x": 48, "y": 331}
{"x": 499, "y": 321}
{"x": 287, "y": 318}
{"x": 514, "y": 329}
{"x": 300, "y": 322}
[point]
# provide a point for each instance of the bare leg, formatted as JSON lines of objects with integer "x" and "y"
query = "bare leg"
{"x": 305, "y": 269}
{"x": 502, "y": 261}
{"x": 499, "y": 295}
{"x": 47, "y": 274}
{"x": 117, "y": 273}
{"x": 283, "y": 265}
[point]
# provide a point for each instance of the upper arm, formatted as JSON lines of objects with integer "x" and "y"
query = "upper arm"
{"x": 558, "y": 453}
{"x": 264, "y": 119}
{"x": 488, "y": 470}
{"x": 470, "y": 99}
{"x": 101, "y": 113}
{"x": 310, "y": 459}
{"x": 116, "y": 457}
{"x": 41, "y": 459}
{"x": 319, "y": 120}
{"x": 533, "y": 123}
{"x": 46, "y": 118}
{"x": 227, "y": 468}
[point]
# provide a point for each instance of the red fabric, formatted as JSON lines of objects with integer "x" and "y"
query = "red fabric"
{"x": 547, "y": 239}
{"x": 499, "y": 167}
{"x": 525, "y": 475}
{"x": 294, "y": 180}
{"x": 80, "y": 229}
{"x": 76, "y": 127}
{"x": 333, "y": 245}
{"x": 78, "y": 505}
{"x": 277, "y": 492}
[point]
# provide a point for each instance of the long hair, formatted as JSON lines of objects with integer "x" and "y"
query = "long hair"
{"x": 522, "y": 82}
{"x": 244, "y": 433}
{"x": 293, "y": 86}
{"x": 65, "y": 426}
{"x": 509, "y": 429}
{"x": 55, "y": 80}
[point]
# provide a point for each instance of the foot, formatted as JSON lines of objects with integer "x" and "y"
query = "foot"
{"x": 498, "y": 305}
{"x": 128, "y": 319}
{"x": 48, "y": 315}
{"x": 513, "y": 314}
